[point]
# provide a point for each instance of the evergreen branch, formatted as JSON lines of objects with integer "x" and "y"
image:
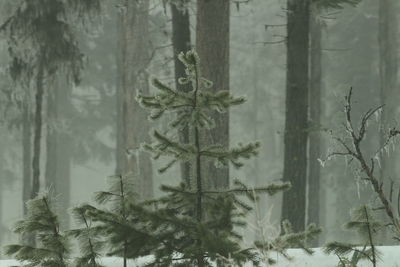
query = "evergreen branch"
{"x": 334, "y": 4}
{"x": 233, "y": 155}
{"x": 220, "y": 101}
{"x": 270, "y": 189}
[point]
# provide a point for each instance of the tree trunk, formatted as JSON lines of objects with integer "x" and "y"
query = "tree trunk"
{"x": 38, "y": 132}
{"x": 181, "y": 43}
{"x": 120, "y": 127}
{"x": 58, "y": 144}
{"x": 388, "y": 68}
{"x": 51, "y": 142}
{"x": 26, "y": 153}
{"x": 134, "y": 79}
{"x": 212, "y": 44}
{"x": 314, "y": 173}
{"x": 26, "y": 162}
{"x": 295, "y": 138}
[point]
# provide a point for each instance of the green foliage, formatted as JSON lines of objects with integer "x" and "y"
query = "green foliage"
{"x": 89, "y": 239}
{"x": 117, "y": 224}
{"x": 53, "y": 247}
{"x": 367, "y": 226}
{"x": 192, "y": 225}
{"x": 334, "y": 4}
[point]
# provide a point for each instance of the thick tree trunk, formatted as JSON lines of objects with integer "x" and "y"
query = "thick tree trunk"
{"x": 181, "y": 43}
{"x": 134, "y": 79}
{"x": 38, "y": 132}
{"x": 388, "y": 67}
{"x": 314, "y": 172}
{"x": 296, "y": 131}
{"x": 212, "y": 44}
{"x": 58, "y": 144}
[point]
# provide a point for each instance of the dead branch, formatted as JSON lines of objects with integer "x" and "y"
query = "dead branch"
{"x": 353, "y": 149}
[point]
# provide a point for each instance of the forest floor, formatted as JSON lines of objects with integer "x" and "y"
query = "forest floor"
{"x": 389, "y": 257}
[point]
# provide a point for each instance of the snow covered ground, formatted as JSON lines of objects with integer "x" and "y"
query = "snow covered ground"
{"x": 390, "y": 257}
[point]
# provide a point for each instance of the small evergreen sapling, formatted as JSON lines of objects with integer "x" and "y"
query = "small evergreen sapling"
{"x": 116, "y": 223}
{"x": 53, "y": 248}
{"x": 89, "y": 240}
{"x": 195, "y": 226}
{"x": 367, "y": 226}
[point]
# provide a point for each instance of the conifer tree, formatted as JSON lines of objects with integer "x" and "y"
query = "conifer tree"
{"x": 117, "y": 224}
{"x": 53, "y": 248}
{"x": 89, "y": 240}
{"x": 194, "y": 225}
{"x": 367, "y": 226}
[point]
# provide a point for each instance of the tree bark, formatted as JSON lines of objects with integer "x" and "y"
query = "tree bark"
{"x": 181, "y": 43}
{"x": 296, "y": 131}
{"x": 388, "y": 67}
{"x": 212, "y": 44}
{"x": 26, "y": 153}
{"x": 38, "y": 132}
{"x": 120, "y": 128}
{"x": 51, "y": 142}
{"x": 134, "y": 44}
{"x": 314, "y": 172}
{"x": 58, "y": 144}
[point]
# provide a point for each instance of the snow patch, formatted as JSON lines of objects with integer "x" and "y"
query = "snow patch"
{"x": 389, "y": 258}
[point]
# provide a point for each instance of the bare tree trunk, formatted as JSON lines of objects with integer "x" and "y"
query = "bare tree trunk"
{"x": 51, "y": 142}
{"x": 120, "y": 127}
{"x": 134, "y": 79}
{"x": 181, "y": 43}
{"x": 388, "y": 68}
{"x": 212, "y": 44}
{"x": 58, "y": 145}
{"x": 38, "y": 132}
{"x": 296, "y": 127}
{"x": 26, "y": 153}
{"x": 314, "y": 173}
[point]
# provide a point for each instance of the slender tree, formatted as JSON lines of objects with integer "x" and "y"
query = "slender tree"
{"x": 181, "y": 43}
{"x": 46, "y": 27}
{"x": 132, "y": 63}
{"x": 296, "y": 126}
{"x": 212, "y": 45}
{"x": 58, "y": 148}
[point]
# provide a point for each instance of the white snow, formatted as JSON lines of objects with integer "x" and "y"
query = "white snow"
{"x": 390, "y": 257}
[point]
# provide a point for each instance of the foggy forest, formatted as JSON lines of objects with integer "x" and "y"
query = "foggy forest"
{"x": 199, "y": 133}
